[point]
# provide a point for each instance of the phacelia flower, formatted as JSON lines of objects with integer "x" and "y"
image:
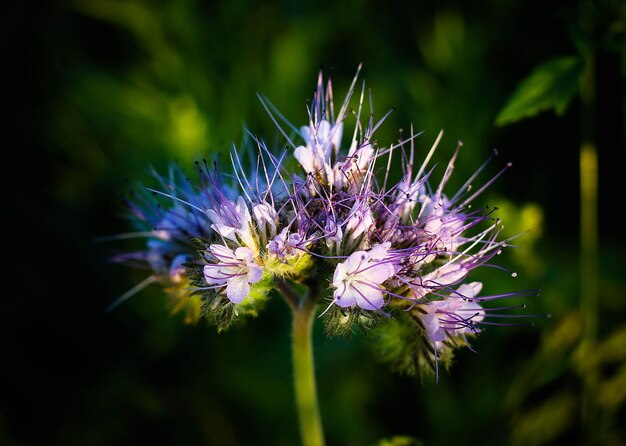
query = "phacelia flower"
{"x": 286, "y": 245}
{"x": 456, "y": 315}
{"x": 232, "y": 221}
{"x": 321, "y": 140}
{"x": 266, "y": 218}
{"x": 398, "y": 250}
{"x": 358, "y": 281}
{"x": 234, "y": 271}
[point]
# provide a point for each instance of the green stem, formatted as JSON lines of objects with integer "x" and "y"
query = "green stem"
{"x": 304, "y": 374}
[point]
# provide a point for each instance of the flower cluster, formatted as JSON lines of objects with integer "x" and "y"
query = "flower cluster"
{"x": 397, "y": 250}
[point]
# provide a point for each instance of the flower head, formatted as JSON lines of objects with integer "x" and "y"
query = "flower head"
{"x": 394, "y": 248}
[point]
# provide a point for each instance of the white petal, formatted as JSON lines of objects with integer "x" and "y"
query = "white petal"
{"x": 355, "y": 261}
{"x": 380, "y": 272}
{"x": 305, "y": 157}
{"x": 336, "y": 135}
{"x": 359, "y": 222}
{"x": 213, "y": 216}
{"x": 265, "y": 216}
{"x": 471, "y": 310}
{"x": 368, "y": 296}
{"x": 470, "y": 290}
{"x": 247, "y": 238}
{"x": 254, "y": 273}
{"x": 339, "y": 276}
{"x": 345, "y": 296}
{"x": 245, "y": 254}
{"x": 222, "y": 252}
{"x": 433, "y": 329}
{"x": 237, "y": 289}
{"x": 242, "y": 212}
{"x": 323, "y": 130}
{"x": 215, "y": 274}
{"x": 447, "y": 274}
{"x": 365, "y": 154}
{"x": 379, "y": 252}
{"x": 225, "y": 231}
{"x": 306, "y": 134}
{"x": 433, "y": 225}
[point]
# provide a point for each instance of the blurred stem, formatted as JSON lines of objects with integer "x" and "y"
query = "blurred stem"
{"x": 304, "y": 373}
{"x": 588, "y": 226}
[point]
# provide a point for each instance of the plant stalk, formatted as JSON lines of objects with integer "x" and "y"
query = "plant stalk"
{"x": 304, "y": 373}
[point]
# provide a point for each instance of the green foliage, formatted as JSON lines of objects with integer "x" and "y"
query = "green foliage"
{"x": 551, "y": 85}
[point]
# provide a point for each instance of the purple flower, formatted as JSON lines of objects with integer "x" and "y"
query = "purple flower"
{"x": 266, "y": 219}
{"x": 321, "y": 140}
{"x": 456, "y": 315}
{"x": 406, "y": 246}
{"x": 286, "y": 245}
{"x": 234, "y": 271}
{"x": 359, "y": 279}
{"x": 233, "y": 222}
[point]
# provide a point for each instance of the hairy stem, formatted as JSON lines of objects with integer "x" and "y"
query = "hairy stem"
{"x": 304, "y": 373}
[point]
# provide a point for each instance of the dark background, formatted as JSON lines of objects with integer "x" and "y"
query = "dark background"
{"x": 100, "y": 90}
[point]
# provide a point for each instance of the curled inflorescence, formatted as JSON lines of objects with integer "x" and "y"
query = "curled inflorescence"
{"x": 319, "y": 219}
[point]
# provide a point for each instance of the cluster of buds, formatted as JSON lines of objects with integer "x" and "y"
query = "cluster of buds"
{"x": 373, "y": 251}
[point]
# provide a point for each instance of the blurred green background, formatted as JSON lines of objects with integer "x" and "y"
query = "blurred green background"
{"x": 101, "y": 89}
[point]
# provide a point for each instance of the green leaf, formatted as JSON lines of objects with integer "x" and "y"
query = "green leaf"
{"x": 550, "y": 86}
